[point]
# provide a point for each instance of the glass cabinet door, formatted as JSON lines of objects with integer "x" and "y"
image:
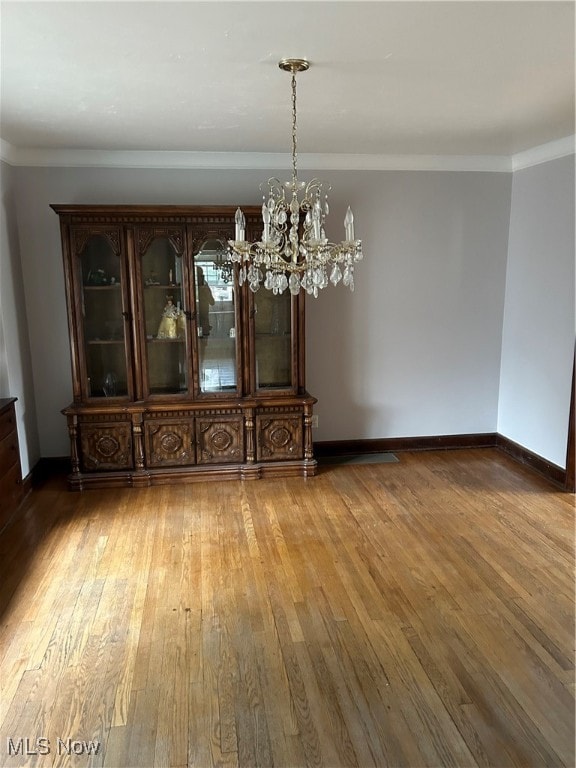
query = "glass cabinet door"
{"x": 165, "y": 314}
{"x": 103, "y": 317}
{"x": 273, "y": 340}
{"x": 216, "y": 318}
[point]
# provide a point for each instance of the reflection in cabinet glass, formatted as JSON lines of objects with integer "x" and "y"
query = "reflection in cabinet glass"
{"x": 164, "y": 318}
{"x": 178, "y": 373}
{"x": 216, "y": 320}
{"x": 273, "y": 341}
{"x": 103, "y": 321}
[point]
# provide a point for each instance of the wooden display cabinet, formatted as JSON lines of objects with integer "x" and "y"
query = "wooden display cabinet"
{"x": 178, "y": 372}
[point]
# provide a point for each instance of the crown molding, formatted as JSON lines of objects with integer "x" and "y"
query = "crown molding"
{"x": 8, "y": 153}
{"x": 543, "y": 153}
{"x": 94, "y": 158}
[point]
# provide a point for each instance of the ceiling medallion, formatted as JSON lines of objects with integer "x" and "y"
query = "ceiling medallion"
{"x": 294, "y": 252}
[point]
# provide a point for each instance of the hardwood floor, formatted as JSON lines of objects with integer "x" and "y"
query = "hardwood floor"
{"x": 410, "y": 614}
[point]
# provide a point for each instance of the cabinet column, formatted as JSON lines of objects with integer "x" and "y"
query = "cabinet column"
{"x": 308, "y": 450}
{"x": 140, "y": 477}
{"x": 250, "y": 452}
{"x": 75, "y": 479}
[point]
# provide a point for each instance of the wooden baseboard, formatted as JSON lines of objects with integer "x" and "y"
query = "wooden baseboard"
{"x": 60, "y": 465}
{"x": 544, "y": 467}
{"x": 385, "y": 444}
{"x": 550, "y": 471}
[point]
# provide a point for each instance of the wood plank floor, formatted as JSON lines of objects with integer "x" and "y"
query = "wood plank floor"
{"x": 410, "y": 614}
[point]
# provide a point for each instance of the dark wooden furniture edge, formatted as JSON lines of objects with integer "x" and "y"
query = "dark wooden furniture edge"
{"x": 570, "y": 482}
{"x": 10, "y": 508}
{"x": 547, "y": 469}
{"x": 18, "y": 511}
{"x": 61, "y": 465}
{"x": 129, "y": 213}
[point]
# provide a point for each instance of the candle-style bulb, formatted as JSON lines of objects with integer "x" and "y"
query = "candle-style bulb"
{"x": 316, "y": 217}
{"x": 349, "y": 225}
{"x": 266, "y": 221}
{"x": 240, "y": 223}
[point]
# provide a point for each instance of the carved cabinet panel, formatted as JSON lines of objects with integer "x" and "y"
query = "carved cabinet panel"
{"x": 278, "y": 437}
{"x": 106, "y": 446}
{"x": 169, "y": 443}
{"x": 220, "y": 439}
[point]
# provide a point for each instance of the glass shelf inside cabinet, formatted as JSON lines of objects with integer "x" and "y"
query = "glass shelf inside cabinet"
{"x": 273, "y": 340}
{"x": 102, "y": 308}
{"x": 165, "y": 323}
{"x": 215, "y": 291}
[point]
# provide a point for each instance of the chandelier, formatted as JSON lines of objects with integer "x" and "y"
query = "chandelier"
{"x": 294, "y": 252}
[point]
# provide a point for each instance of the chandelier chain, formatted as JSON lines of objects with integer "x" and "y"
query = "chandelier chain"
{"x": 294, "y": 136}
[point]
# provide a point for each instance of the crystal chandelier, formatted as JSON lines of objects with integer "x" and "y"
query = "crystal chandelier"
{"x": 294, "y": 251}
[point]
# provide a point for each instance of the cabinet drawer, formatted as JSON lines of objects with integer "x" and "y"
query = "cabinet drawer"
{"x": 220, "y": 441}
{"x": 106, "y": 446}
{"x": 279, "y": 437}
{"x": 169, "y": 442}
{"x": 7, "y": 423}
{"x": 8, "y": 452}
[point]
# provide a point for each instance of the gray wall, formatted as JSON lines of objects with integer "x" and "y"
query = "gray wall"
{"x": 452, "y": 329}
{"x": 539, "y": 323}
{"x": 16, "y": 379}
{"x": 414, "y": 351}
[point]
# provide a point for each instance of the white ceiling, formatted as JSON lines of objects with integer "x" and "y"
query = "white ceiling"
{"x": 387, "y": 78}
